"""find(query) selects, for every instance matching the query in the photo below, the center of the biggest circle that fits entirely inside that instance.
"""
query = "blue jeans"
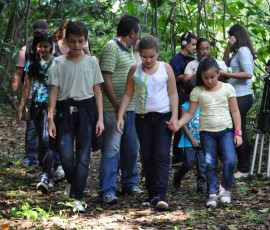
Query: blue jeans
(188, 163)
(75, 164)
(45, 155)
(31, 145)
(115, 145)
(155, 141)
(244, 150)
(223, 143)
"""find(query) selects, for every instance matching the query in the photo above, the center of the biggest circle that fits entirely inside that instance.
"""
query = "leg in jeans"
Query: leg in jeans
(76, 167)
(110, 155)
(209, 144)
(45, 154)
(227, 150)
(187, 164)
(243, 151)
(31, 145)
(144, 130)
(155, 140)
(129, 150)
(201, 169)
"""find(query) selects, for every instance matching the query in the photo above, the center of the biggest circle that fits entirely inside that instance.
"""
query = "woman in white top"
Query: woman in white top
(242, 64)
(153, 84)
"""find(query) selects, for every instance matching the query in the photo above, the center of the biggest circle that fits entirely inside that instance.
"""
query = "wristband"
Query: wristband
(238, 133)
(13, 97)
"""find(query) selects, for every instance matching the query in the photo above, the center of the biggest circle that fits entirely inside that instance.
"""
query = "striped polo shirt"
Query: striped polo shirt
(116, 60)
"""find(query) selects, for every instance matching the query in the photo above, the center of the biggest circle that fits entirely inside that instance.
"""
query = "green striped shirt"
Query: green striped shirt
(116, 60)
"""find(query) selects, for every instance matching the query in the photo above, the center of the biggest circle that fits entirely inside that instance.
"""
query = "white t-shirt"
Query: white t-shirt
(192, 66)
(215, 114)
(75, 80)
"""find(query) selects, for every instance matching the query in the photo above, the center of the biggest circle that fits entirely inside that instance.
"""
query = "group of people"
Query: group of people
(126, 106)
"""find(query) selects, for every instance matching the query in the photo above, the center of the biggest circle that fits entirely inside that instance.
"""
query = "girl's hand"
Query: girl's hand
(232, 41)
(120, 126)
(238, 141)
(51, 128)
(99, 127)
(173, 126)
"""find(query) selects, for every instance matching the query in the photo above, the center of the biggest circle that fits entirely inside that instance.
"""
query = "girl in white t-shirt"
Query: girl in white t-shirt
(219, 114)
(153, 84)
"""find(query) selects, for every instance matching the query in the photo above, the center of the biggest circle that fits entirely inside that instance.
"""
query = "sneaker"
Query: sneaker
(77, 207)
(51, 183)
(43, 186)
(239, 175)
(67, 190)
(110, 199)
(59, 174)
(211, 201)
(225, 196)
(150, 201)
(134, 192)
(162, 203)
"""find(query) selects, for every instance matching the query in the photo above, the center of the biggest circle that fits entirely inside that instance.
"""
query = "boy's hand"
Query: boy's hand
(51, 128)
(99, 128)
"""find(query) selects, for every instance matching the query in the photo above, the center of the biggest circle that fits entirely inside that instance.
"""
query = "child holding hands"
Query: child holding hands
(219, 114)
(153, 84)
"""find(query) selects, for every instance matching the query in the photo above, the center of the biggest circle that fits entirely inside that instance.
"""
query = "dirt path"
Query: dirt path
(23, 207)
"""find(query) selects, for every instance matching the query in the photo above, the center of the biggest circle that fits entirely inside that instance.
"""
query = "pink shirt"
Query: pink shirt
(21, 57)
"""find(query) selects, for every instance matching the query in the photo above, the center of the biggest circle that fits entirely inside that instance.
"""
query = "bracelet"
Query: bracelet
(13, 97)
(238, 133)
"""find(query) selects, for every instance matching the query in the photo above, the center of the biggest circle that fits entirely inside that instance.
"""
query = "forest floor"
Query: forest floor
(23, 207)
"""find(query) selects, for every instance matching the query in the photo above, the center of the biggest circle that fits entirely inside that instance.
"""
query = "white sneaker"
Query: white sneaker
(77, 207)
(225, 197)
(59, 174)
(67, 190)
(211, 201)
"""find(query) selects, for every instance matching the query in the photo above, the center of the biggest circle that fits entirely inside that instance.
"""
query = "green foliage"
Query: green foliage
(30, 213)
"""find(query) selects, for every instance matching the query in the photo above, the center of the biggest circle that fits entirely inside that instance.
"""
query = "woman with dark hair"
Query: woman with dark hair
(242, 64)
(37, 72)
(60, 45)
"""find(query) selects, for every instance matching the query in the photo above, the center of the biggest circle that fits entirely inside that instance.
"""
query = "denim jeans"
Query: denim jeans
(155, 141)
(188, 163)
(243, 151)
(115, 145)
(31, 145)
(45, 155)
(75, 164)
(223, 143)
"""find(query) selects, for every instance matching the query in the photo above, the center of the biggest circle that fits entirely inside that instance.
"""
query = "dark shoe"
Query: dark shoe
(134, 192)
(162, 203)
(43, 186)
(150, 201)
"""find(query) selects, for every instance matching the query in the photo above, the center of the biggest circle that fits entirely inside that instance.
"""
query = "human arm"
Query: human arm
(126, 98)
(51, 109)
(109, 91)
(185, 118)
(98, 98)
(15, 86)
(240, 75)
(194, 142)
(226, 56)
(25, 94)
(173, 95)
(236, 119)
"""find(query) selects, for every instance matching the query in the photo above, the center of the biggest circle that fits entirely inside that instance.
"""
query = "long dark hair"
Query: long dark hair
(242, 38)
(36, 71)
(205, 64)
